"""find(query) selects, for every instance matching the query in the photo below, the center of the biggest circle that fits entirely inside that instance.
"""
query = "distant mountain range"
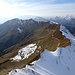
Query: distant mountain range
(68, 21)
(40, 19)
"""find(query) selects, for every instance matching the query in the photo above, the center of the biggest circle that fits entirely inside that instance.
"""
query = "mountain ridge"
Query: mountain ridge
(46, 35)
(13, 31)
(58, 62)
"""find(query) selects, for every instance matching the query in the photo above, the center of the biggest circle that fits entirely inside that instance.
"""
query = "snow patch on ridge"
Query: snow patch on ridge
(25, 52)
(19, 30)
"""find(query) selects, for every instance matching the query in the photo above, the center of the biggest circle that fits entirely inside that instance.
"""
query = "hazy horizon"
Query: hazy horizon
(10, 9)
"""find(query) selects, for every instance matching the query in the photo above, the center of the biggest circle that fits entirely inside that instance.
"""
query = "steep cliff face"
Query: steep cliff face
(51, 37)
(45, 36)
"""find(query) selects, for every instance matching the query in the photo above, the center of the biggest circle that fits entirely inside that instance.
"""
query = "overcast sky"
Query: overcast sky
(19, 8)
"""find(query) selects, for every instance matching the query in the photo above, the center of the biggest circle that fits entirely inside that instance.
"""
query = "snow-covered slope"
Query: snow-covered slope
(25, 52)
(60, 62)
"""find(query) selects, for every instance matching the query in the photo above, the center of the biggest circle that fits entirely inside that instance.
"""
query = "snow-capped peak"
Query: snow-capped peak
(69, 17)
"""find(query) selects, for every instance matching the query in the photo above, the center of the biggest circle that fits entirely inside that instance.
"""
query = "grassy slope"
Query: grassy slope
(47, 36)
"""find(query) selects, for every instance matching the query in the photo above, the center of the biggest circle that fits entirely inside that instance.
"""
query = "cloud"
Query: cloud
(13, 1)
(25, 8)
(28, 1)
(16, 9)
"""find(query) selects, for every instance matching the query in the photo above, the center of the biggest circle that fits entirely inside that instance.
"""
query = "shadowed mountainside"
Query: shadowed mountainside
(14, 31)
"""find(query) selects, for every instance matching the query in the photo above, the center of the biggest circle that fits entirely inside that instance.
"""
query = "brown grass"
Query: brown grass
(47, 36)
